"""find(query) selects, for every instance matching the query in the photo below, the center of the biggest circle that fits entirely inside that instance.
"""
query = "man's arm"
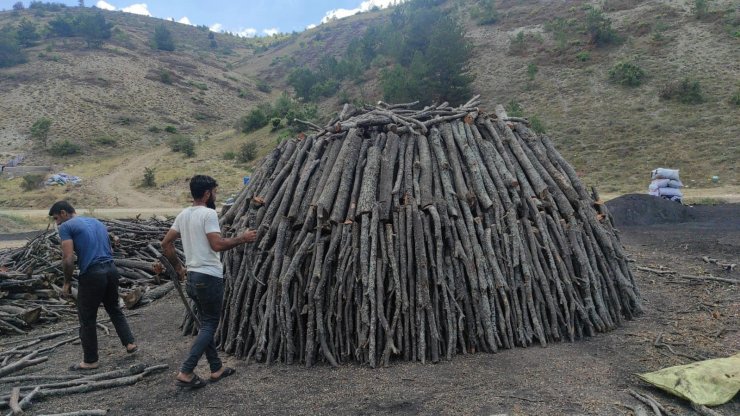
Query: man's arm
(68, 265)
(219, 243)
(168, 246)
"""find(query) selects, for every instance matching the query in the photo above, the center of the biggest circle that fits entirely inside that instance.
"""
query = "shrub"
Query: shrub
(626, 73)
(687, 91)
(276, 123)
(514, 109)
(583, 56)
(229, 155)
(599, 28)
(64, 148)
(155, 129)
(735, 98)
(106, 141)
(31, 182)
(26, 33)
(40, 130)
(170, 129)
(532, 71)
(182, 144)
(18, 5)
(256, 119)
(537, 125)
(700, 8)
(10, 51)
(165, 76)
(163, 38)
(149, 181)
(486, 12)
(518, 43)
(263, 86)
(248, 152)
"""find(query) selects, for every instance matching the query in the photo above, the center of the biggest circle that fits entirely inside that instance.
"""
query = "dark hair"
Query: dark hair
(199, 184)
(59, 206)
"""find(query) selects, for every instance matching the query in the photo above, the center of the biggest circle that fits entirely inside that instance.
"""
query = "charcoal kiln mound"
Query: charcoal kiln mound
(402, 234)
(643, 209)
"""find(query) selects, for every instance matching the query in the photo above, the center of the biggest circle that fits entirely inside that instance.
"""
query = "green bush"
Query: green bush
(687, 91)
(170, 129)
(514, 109)
(31, 182)
(229, 155)
(537, 125)
(155, 129)
(163, 38)
(626, 73)
(275, 122)
(182, 144)
(40, 130)
(106, 141)
(599, 28)
(518, 43)
(256, 119)
(700, 8)
(64, 148)
(583, 56)
(486, 13)
(10, 50)
(165, 76)
(26, 33)
(532, 71)
(735, 98)
(263, 86)
(149, 181)
(248, 152)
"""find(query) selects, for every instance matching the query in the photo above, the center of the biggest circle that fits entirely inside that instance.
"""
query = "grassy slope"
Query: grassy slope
(613, 135)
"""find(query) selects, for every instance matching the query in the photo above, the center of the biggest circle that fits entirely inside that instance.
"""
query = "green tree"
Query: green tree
(149, 181)
(94, 29)
(599, 28)
(26, 33)
(248, 152)
(163, 38)
(10, 51)
(256, 119)
(40, 130)
(18, 5)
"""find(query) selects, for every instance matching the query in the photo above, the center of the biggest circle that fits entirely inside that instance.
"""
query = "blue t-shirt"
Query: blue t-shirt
(90, 239)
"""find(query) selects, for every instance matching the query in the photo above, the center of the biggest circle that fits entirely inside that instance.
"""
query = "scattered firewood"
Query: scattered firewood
(94, 412)
(652, 403)
(727, 266)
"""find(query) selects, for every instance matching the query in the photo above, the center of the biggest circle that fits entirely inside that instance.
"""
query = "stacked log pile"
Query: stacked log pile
(418, 235)
(30, 276)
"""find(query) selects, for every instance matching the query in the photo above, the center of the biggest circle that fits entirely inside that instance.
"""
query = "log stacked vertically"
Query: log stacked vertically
(418, 234)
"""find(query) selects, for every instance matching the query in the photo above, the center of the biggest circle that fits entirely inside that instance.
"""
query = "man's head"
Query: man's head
(61, 211)
(203, 189)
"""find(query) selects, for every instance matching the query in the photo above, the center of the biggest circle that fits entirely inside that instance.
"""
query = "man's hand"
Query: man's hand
(182, 273)
(249, 236)
(67, 290)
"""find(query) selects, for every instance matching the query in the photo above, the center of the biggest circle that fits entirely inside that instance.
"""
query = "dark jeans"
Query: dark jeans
(99, 284)
(207, 292)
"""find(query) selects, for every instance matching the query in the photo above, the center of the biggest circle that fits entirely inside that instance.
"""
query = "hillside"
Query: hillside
(116, 100)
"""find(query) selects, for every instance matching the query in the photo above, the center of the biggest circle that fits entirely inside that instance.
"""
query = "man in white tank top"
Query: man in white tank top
(198, 228)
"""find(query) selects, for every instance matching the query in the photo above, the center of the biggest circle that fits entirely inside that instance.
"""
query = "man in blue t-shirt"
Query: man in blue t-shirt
(97, 282)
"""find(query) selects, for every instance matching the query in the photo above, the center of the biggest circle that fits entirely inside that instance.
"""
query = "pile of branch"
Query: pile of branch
(418, 235)
(30, 276)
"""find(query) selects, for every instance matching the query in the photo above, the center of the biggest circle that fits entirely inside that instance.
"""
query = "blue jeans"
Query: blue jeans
(207, 292)
(99, 284)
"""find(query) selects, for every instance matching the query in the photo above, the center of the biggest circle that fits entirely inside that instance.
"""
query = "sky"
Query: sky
(244, 18)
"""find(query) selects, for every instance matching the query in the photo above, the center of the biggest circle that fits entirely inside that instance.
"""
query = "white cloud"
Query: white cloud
(311, 26)
(246, 33)
(216, 27)
(364, 7)
(271, 31)
(185, 20)
(105, 6)
(138, 8)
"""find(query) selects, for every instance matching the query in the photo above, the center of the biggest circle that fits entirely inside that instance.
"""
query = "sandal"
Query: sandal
(227, 372)
(195, 383)
(132, 350)
(78, 367)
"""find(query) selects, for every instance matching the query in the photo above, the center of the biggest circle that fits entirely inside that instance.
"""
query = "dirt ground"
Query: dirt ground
(591, 377)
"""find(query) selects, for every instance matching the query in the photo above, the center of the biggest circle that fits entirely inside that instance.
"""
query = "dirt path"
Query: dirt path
(587, 377)
(116, 185)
